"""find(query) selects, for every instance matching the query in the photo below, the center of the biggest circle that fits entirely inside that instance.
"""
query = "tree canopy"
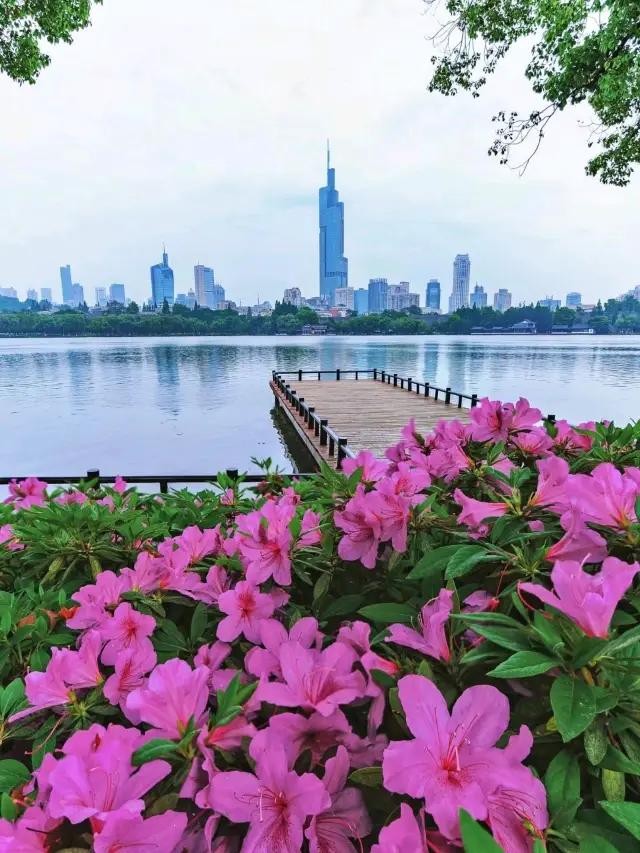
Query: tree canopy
(584, 51)
(28, 26)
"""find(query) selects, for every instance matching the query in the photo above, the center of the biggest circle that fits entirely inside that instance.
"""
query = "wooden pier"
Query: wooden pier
(338, 413)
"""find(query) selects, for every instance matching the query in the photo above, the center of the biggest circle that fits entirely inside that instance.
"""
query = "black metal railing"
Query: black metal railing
(162, 480)
(337, 445)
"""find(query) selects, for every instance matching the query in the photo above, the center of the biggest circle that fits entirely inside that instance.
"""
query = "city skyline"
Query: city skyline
(333, 266)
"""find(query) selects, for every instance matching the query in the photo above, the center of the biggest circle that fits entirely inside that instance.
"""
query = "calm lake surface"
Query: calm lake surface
(198, 405)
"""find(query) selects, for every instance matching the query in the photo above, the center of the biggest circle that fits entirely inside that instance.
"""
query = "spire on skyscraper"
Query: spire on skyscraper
(328, 157)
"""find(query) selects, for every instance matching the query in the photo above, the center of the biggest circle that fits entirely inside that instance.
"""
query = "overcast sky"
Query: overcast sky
(203, 124)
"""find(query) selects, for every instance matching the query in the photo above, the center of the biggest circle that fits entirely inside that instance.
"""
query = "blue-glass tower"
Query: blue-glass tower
(162, 286)
(334, 267)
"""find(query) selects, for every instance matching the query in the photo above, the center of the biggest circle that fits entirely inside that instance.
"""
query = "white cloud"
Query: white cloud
(203, 124)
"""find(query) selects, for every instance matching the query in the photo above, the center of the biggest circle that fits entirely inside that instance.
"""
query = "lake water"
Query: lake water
(197, 405)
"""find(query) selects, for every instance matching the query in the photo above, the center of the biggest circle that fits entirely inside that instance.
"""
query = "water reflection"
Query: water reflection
(190, 404)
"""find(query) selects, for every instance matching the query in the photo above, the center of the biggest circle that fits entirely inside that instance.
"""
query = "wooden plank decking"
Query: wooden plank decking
(369, 414)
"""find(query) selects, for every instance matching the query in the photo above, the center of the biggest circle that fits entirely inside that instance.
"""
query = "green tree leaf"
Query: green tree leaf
(574, 706)
(157, 748)
(465, 560)
(369, 777)
(433, 562)
(389, 614)
(12, 774)
(524, 665)
(342, 606)
(596, 844)
(596, 742)
(475, 838)
(626, 814)
(562, 781)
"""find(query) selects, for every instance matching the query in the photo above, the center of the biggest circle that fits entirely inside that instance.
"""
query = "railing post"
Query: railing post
(426, 389)
(342, 443)
(395, 380)
(551, 419)
(232, 473)
(318, 376)
(459, 401)
(317, 424)
(447, 395)
(356, 374)
(332, 446)
(301, 406)
(287, 393)
(299, 376)
(474, 401)
(402, 383)
(323, 431)
(338, 375)
(164, 487)
(375, 373)
(94, 474)
(383, 375)
(310, 411)
(409, 380)
(436, 391)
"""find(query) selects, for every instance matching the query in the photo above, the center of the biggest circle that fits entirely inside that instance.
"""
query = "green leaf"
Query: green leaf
(629, 638)
(198, 623)
(508, 638)
(465, 559)
(388, 614)
(616, 760)
(562, 781)
(433, 562)
(12, 698)
(382, 678)
(613, 785)
(343, 606)
(524, 665)
(8, 808)
(596, 844)
(596, 742)
(475, 838)
(157, 748)
(574, 706)
(321, 586)
(626, 814)
(369, 777)
(12, 774)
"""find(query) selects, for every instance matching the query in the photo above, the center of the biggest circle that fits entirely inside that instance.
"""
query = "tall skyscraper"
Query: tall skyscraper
(461, 276)
(574, 299)
(334, 267)
(378, 295)
(478, 297)
(204, 283)
(432, 299)
(46, 294)
(67, 284)
(10, 292)
(218, 296)
(550, 303)
(101, 297)
(162, 284)
(32, 294)
(116, 293)
(293, 296)
(361, 300)
(501, 300)
(344, 297)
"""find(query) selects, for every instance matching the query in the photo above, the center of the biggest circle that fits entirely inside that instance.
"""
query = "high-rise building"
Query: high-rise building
(574, 299)
(9, 292)
(361, 300)
(162, 283)
(478, 297)
(204, 283)
(411, 300)
(181, 299)
(432, 300)
(334, 267)
(67, 284)
(344, 298)
(461, 276)
(77, 295)
(101, 297)
(32, 294)
(116, 293)
(191, 299)
(218, 297)
(46, 294)
(501, 300)
(550, 303)
(395, 297)
(378, 295)
(293, 296)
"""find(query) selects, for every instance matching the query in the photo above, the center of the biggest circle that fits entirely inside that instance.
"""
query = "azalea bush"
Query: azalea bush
(432, 651)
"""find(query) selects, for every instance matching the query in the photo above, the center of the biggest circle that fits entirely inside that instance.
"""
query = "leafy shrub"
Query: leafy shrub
(365, 660)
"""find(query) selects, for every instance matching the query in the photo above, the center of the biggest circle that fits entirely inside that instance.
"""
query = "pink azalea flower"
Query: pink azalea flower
(128, 630)
(73, 497)
(30, 834)
(228, 737)
(310, 530)
(275, 802)
(318, 681)
(265, 548)
(394, 513)
(6, 536)
(411, 436)
(553, 482)
(107, 501)
(47, 689)
(212, 657)
(569, 441)
(27, 493)
(173, 566)
(120, 486)
(129, 833)
(130, 670)
(588, 600)
(364, 751)
(199, 544)
(145, 576)
(397, 453)
(491, 420)
(524, 417)
(579, 544)
(407, 481)
(81, 667)
(372, 469)
(173, 695)
(536, 442)
(246, 608)
(407, 835)
(449, 763)
(315, 733)
(607, 497)
(95, 598)
(96, 777)
(266, 662)
(432, 640)
(361, 524)
(216, 583)
(446, 462)
(474, 512)
(345, 818)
